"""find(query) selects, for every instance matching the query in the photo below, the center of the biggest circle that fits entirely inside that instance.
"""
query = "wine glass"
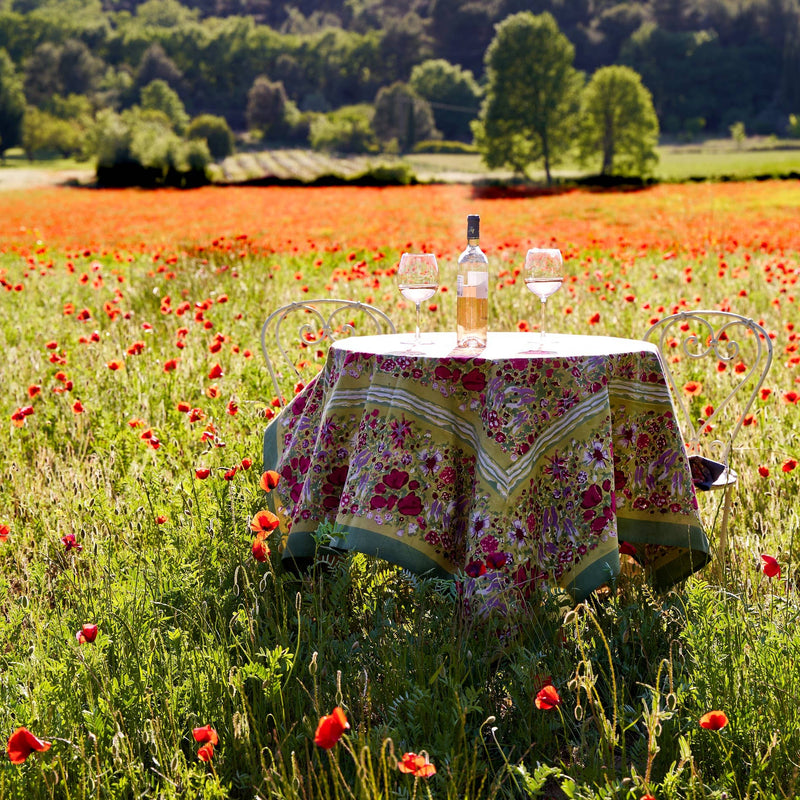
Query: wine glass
(544, 272)
(418, 280)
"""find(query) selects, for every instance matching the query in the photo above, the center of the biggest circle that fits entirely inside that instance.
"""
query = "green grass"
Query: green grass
(193, 631)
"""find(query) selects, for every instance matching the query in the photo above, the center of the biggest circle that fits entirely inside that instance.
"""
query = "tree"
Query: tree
(453, 94)
(403, 116)
(266, 107)
(158, 96)
(532, 97)
(618, 123)
(157, 65)
(216, 132)
(346, 130)
(12, 103)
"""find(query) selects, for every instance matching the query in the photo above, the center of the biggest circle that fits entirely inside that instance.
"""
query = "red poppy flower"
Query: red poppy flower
(213, 391)
(647, 797)
(763, 471)
(77, 407)
(269, 480)
(713, 720)
(136, 423)
(627, 549)
(232, 408)
(264, 522)
(770, 566)
(184, 408)
(594, 319)
(22, 743)
(247, 463)
(230, 473)
(205, 734)
(114, 365)
(417, 765)
(547, 698)
(205, 752)
(765, 393)
(216, 372)
(70, 543)
(4, 531)
(260, 550)
(202, 473)
(789, 465)
(52, 345)
(170, 365)
(33, 390)
(330, 729)
(87, 634)
(160, 519)
(693, 388)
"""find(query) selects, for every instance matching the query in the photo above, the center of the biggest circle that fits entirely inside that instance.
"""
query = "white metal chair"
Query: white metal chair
(714, 403)
(308, 327)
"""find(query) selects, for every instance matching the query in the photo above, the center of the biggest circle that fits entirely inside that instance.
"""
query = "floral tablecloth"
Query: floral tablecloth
(510, 468)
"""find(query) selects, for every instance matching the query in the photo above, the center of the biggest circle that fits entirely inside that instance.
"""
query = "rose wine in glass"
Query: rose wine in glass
(418, 280)
(544, 273)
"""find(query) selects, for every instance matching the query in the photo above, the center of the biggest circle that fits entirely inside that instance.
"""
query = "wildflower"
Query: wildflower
(33, 390)
(765, 393)
(330, 729)
(77, 407)
(789, 465)
(260, 550)
(693, 388)
(136, 422)
(205, 734)
(232, 408)
(594, 319)
(87, 634)
(269, 480)
(230, 473)
(183, 407)
(627, 549)
(247, 463)
(202, 473)
(205, 752)
(763, 471)
(160, 519)
(4, 531)
(417, 765)
(207, 737)
(264, 522)
(713, 720)
(22, 743)
(70, 543)
(547, 698)
(216, 372)
(770, 566)
(170, 365)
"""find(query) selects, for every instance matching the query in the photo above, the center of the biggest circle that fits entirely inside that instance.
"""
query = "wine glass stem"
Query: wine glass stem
(416, 338)
(541, 326)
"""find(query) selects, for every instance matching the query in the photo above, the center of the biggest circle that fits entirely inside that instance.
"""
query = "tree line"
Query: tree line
(343, 74)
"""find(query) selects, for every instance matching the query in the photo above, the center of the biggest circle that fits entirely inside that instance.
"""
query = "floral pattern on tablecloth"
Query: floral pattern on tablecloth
(512, 472)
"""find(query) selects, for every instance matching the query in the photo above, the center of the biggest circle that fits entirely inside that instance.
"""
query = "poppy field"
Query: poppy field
(151, 643)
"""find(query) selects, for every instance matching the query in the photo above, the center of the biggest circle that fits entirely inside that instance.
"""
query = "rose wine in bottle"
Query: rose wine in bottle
(472, 302)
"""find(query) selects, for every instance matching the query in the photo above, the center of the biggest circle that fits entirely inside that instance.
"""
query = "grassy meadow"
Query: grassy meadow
(133, 405)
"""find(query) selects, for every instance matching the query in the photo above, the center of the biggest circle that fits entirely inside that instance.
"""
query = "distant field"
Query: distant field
(710, 160)
(718, 159)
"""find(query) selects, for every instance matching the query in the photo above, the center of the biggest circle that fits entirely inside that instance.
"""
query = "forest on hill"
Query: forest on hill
(707, 63)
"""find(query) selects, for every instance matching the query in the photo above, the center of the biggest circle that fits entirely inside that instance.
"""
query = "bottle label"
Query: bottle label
(478, 284)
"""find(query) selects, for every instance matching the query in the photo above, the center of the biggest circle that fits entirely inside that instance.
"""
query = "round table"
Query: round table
(514, 467)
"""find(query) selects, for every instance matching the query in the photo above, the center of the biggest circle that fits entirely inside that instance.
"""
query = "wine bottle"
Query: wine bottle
(472, 287)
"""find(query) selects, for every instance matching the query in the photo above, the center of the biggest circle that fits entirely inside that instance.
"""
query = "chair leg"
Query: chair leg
(722, 539)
